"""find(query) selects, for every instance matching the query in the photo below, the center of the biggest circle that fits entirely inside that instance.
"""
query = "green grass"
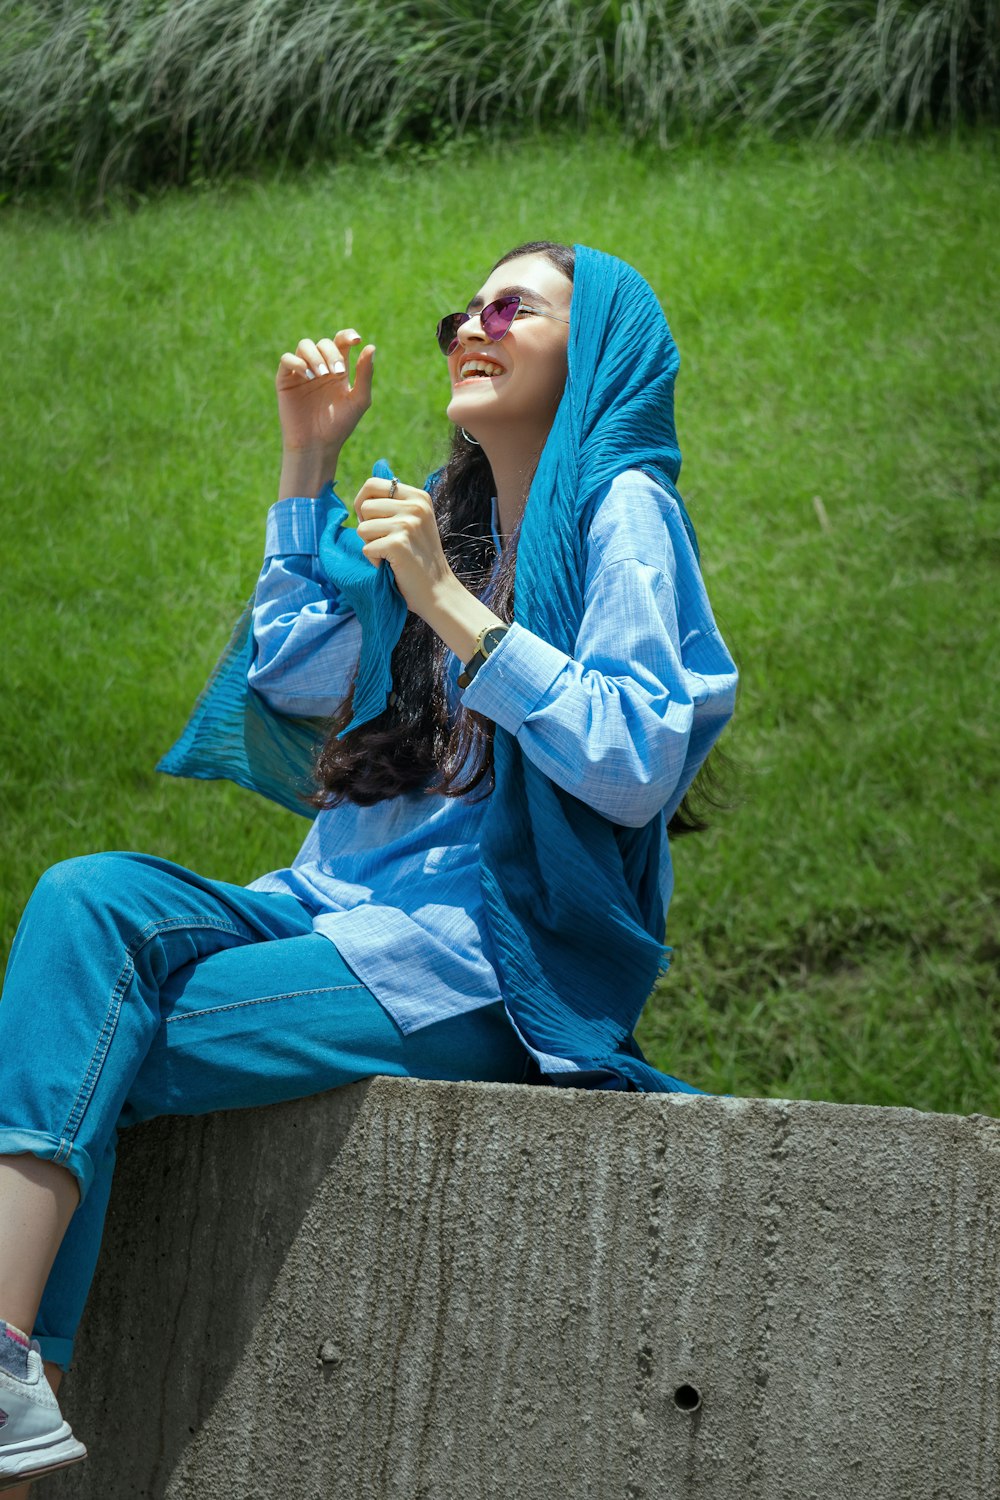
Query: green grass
(836, 936)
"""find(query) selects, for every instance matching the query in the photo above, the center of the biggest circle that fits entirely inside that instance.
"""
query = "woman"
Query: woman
(483, 887)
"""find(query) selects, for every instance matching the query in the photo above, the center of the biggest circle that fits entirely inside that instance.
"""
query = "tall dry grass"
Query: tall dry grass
(131, 93)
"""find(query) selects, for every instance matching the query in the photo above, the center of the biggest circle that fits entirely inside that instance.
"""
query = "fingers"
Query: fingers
(364, 371)
(373, 499)
(317, 361)
(290, 367)
(299, 367)
(378, 512)
(326, 357)
(333, 352)
(342, 343)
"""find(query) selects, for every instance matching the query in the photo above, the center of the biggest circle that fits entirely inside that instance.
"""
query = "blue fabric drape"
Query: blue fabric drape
(574, 909)
(572, 900)
(232, 734)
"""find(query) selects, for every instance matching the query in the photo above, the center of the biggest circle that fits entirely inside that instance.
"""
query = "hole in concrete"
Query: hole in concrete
(687, 1398)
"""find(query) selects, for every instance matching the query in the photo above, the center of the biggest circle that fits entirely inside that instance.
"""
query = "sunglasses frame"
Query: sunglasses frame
(449, 345)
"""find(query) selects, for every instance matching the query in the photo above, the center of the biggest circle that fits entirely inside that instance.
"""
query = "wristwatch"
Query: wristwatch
(486, 641)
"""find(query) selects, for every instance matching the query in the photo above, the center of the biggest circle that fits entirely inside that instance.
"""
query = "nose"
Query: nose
(471, 331)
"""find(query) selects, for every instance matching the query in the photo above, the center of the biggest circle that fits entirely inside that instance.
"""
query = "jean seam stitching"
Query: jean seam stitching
(67, 1135)
(204, 924)
(326, 989)
(85, 1092)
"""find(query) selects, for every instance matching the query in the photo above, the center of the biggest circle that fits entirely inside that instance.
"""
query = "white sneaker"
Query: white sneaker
(34, 1439)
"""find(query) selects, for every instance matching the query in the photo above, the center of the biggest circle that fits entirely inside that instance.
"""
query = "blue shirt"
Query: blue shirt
(624, 724)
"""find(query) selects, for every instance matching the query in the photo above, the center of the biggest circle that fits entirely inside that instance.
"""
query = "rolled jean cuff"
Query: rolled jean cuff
(56, 1351)
(15, 1142)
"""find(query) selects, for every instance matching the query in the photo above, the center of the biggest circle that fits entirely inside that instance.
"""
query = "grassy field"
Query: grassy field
(836, 936)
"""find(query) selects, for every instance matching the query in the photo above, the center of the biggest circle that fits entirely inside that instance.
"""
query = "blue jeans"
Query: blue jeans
(137, 988)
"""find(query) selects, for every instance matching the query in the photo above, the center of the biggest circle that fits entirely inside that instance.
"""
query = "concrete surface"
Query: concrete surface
(455, 1291)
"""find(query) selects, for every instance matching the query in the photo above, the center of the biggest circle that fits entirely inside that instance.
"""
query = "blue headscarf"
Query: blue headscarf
(572, 900)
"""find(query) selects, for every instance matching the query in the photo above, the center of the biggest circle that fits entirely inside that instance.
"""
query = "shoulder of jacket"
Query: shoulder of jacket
(635, 519)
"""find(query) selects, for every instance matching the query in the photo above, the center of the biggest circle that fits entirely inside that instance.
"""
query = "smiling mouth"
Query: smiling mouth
(486, 370)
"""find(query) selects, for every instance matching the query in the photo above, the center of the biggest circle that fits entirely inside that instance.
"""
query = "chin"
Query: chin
(464, 413)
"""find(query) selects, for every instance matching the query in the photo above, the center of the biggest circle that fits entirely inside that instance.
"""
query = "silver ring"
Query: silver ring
(393, 487)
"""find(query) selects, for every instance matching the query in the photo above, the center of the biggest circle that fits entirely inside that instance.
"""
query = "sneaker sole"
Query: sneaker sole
(35, 1464)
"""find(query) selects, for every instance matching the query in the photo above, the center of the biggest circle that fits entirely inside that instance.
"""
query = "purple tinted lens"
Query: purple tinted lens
(495, 318)
(498, 316)
(447, 329)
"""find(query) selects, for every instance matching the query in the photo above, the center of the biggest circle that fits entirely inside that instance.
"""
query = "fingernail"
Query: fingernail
(310, 375)
(323, 370)
(338, 368)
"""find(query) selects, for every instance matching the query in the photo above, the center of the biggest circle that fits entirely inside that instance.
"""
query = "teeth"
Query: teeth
(480, 367)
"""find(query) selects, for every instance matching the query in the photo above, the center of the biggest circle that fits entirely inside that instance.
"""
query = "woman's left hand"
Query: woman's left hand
(403, 530)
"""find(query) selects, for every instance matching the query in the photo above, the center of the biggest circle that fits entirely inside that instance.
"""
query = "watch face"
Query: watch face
(493, 637)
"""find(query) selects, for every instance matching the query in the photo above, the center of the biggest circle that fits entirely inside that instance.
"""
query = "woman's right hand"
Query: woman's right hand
(317, 406)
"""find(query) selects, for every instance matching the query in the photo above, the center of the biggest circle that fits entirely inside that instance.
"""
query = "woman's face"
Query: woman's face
(527, 366)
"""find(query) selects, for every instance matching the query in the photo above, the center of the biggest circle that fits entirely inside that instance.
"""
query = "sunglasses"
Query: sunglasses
(496, 318)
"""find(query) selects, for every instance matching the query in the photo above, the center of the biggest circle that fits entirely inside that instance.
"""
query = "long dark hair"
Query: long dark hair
(412, 745)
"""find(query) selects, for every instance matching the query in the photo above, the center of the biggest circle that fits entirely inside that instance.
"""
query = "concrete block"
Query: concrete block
(404, 1289)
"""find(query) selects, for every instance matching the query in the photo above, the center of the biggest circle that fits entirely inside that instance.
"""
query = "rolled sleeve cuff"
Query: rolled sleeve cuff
(296, 524)
(514, 678)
